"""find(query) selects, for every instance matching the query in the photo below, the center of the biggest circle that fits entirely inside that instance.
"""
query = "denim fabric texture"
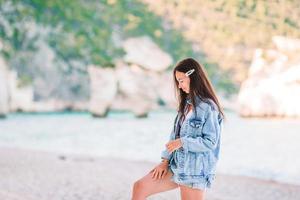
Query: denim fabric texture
(194, 164)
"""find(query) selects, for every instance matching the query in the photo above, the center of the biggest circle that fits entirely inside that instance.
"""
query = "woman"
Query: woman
(189, 160)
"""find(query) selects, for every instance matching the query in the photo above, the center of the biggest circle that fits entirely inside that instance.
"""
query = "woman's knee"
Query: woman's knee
(139, 189)
(138, 185)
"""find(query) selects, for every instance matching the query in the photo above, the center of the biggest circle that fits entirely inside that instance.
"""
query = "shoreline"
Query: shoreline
(29, 174)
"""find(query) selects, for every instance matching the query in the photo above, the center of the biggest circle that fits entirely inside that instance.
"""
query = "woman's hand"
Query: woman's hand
(160, 171)
(173, 145)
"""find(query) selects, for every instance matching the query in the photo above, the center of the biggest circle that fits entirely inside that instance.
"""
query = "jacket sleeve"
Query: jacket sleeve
(165, 154)
(209, 137)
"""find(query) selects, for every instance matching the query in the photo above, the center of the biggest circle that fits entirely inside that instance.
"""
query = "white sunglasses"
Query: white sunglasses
(189, 72)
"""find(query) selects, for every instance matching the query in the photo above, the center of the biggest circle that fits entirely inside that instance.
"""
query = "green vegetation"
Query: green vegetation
(228, 31)
(88, 30)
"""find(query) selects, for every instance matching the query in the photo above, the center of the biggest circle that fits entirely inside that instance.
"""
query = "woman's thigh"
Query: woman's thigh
(147, 186)
(188, 193)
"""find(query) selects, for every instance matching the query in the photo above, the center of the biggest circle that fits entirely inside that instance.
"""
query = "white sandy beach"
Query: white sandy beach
(36, 175)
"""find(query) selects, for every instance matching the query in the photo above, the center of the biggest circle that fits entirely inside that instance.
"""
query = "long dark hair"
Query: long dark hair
(199, 85)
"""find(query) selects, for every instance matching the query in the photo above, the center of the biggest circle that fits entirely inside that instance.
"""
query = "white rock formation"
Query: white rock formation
(4, 92)
(286, 44)
(129, 87)
(136, 86)
(21, 98)
(144, 52)
(273, 85)
(135, 89)
(103, 90)
(166, 90)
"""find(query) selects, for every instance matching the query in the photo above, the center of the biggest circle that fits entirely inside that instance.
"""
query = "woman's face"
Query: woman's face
(183, 81)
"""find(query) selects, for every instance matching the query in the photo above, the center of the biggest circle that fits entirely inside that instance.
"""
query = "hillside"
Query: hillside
(228, 31)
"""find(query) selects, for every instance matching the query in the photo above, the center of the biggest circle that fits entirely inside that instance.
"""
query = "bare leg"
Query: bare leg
(147, 186)
(188, 193)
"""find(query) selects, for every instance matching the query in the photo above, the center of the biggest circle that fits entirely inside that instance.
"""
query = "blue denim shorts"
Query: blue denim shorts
(201, 183)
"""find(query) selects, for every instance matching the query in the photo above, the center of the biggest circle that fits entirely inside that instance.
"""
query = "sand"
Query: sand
(37, 175)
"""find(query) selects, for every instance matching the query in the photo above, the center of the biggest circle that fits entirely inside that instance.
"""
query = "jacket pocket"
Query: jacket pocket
(194, 164)
(195, 127)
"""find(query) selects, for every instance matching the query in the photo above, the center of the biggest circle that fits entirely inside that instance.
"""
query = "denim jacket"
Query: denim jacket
(200, 137)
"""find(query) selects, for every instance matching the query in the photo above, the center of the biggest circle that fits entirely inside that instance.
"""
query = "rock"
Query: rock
(4, 93)
(21, 98)
(103, 89)
(129, 87)
(135, 90)
(144, 52)
(53, 77)
(273, 85)
(286, 44)
(166, 89)
(79, 105)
